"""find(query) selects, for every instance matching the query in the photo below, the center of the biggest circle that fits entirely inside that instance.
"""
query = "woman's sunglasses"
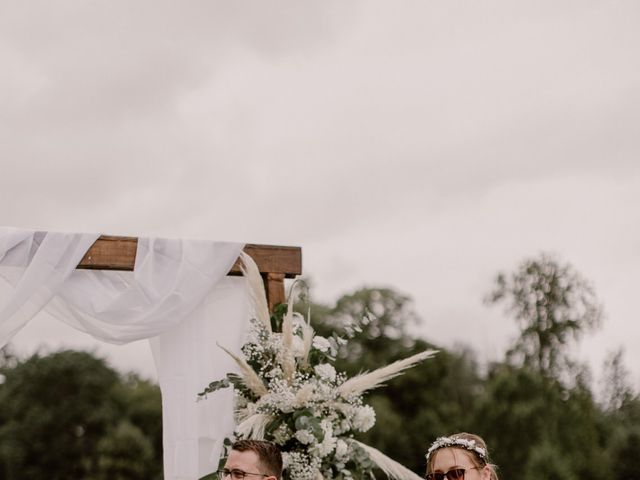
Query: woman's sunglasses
(455, 474)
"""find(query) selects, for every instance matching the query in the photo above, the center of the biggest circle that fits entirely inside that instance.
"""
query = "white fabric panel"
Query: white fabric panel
(177, 293)
(170, 279)
(35, 267)
(187, 359)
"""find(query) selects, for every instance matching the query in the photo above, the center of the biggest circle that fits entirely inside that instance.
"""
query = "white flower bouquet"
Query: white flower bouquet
(289, 392)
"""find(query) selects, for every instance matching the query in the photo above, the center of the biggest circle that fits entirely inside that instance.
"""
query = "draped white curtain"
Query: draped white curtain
(178, 296)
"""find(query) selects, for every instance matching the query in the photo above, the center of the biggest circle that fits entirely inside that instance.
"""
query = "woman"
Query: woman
(462, 456)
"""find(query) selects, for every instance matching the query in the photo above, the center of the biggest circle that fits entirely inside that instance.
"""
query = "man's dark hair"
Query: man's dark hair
(268, 453)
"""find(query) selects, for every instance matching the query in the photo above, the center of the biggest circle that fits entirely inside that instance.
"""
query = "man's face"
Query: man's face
(247, 461)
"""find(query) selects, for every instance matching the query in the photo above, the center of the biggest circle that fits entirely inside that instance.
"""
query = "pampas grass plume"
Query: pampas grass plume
(251, 379)
(254, 426)
(367, 381)
(256, 289)
(392, 468)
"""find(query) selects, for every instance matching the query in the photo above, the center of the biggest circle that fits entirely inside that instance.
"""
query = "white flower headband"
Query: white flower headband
(444, 442)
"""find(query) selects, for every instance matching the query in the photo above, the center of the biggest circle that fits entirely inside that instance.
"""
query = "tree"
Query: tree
(529, 418)
(621, 418)
(433, 398)
(8, 358)
(552, 303)
(124, 453)
(69, 415)
(55, 409)
(545, 461)
(616, 391)
(376, 319)
(624, 449)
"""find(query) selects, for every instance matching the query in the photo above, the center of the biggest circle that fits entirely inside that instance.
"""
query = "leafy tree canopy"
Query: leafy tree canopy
(62, 416)
(552, 304)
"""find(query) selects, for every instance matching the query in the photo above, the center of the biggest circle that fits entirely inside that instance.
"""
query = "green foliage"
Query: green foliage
(424, 402)
(552, 303)
(616, 389)
(545, 461)
(124, 453)
(376, 322)
(58, 412)
(57, 400)
(68, 415)
(535, 424)
(523, 412)
(624, 448)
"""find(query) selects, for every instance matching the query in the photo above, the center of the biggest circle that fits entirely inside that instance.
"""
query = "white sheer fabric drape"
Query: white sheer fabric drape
(178, 296)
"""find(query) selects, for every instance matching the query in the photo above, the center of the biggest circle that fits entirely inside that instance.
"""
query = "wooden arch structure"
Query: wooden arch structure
(275, 262)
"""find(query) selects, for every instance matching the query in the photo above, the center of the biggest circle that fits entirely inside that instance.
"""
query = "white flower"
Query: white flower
(300, 393)
(325, 371)
(328, 443)
(282, 434)
(304, 395)
(325, 447)
(321, 343)
(342, 449)
(274, 373)
(305, 437)
(324, 392)
(278, 398)
(364, 418)
(343, 427)
(300, 466)
(297, 346)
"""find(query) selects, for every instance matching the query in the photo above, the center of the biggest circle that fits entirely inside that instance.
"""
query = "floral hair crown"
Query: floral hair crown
(444, 442)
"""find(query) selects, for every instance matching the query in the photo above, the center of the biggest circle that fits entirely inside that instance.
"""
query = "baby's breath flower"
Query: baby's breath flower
(311, 421)
(282, 434)
(364, 418)
(325, 371)
(305, 437)
(321, 343)
(342, 449)
(304, 395)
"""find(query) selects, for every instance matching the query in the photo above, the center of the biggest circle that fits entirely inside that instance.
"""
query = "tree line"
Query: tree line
(69, 415)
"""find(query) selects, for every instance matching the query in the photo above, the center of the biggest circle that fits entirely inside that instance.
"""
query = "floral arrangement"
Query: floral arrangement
(467, 444)
(289, 392)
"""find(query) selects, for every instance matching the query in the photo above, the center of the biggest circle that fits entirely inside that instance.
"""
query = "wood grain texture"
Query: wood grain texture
(274, 262)
(119, 253)
(274, 286)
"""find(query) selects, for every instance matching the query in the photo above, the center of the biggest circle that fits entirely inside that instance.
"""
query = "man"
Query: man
(252, 460)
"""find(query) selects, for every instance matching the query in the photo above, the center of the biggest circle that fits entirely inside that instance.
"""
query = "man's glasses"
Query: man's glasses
(236, 474)
(455, 474)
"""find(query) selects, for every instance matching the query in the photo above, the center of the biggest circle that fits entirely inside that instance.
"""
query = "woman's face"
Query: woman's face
(448, 460)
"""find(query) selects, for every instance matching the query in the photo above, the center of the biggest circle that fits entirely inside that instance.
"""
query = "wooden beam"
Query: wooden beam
(111, 253)
(273, 259)
(274, 262)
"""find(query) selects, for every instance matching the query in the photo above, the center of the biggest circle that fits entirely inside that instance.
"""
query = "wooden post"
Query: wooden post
(274, 262)
(274, 286)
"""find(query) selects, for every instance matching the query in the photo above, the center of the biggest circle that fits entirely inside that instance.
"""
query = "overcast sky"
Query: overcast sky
(418, 145)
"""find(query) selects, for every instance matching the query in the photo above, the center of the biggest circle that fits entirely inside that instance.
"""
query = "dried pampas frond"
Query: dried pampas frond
(304, 395)
(287, 327)
(392, 468)
(367, 381)
(288, 366)
(287, 361)
(307, 341)
(251, 379)
(254, 426)
(241, 414)
(256, 289)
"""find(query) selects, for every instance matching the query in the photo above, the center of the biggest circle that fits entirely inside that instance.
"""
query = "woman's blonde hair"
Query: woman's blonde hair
(474, 447)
